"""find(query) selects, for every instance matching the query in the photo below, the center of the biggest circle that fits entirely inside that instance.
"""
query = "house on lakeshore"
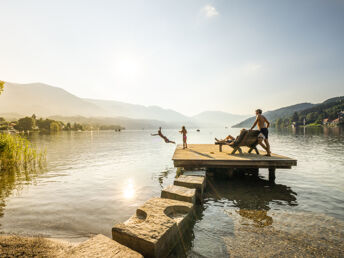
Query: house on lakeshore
(335, 122)
(341, 117)
(326, 121)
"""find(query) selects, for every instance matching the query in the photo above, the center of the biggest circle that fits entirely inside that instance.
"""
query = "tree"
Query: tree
(34, 120)
(287, 122)
(68, 127)
(24, 124)
(279, 123)
(310, 117)
(295, 117)
(55, 127)
(2, 83)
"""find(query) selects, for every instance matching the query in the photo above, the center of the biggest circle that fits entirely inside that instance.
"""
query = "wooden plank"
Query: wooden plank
(208, 155)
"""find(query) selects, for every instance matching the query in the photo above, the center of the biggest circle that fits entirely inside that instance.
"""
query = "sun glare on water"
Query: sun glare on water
(129, 190)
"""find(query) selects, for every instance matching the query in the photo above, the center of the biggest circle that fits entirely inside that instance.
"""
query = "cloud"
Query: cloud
(209, 11)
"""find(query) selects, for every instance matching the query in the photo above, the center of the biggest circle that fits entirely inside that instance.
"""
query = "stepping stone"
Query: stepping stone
(179, 193)
(100, 246)
(197, 182)
(194, 173)
(156, 228)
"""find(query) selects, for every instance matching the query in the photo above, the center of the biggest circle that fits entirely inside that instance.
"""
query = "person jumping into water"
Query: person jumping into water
(263, 125)
(184, 132)
(162, 136)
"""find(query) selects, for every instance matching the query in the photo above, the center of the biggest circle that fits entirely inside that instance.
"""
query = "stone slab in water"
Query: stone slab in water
(197, 182)
(155, 228)
(101, 246)
(194, 173)
(179, 193)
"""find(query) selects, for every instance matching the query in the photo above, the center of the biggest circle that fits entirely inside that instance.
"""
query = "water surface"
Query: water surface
(96, 179)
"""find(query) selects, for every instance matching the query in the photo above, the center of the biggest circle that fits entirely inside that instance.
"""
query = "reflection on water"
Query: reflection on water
(250, 197)
(253, 196)
(12, 183)
(94, 180)
(164, 175)
(129, 189)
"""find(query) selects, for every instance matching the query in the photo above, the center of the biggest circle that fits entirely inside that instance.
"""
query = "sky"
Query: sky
(190, 56)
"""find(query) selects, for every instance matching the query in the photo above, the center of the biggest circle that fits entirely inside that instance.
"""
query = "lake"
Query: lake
(96, 179)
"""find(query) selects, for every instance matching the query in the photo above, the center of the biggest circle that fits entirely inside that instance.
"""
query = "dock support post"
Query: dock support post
(272, 175)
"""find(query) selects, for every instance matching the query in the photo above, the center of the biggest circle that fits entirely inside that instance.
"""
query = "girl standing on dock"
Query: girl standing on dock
(184, 132)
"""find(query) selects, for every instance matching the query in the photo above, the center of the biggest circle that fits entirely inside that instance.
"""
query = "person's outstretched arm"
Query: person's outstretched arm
(254, 124)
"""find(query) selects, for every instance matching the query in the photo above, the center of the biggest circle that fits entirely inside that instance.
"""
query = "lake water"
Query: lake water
(96, 179)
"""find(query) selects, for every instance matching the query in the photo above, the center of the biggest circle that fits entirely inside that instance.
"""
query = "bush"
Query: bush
(16, 153)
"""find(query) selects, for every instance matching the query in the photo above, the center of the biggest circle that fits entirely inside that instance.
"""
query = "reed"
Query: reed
(16, 153)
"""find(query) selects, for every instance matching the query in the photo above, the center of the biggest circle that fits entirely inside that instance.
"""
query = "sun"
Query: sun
(127, 68)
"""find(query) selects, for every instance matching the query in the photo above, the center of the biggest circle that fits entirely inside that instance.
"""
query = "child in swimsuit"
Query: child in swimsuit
(184, 132)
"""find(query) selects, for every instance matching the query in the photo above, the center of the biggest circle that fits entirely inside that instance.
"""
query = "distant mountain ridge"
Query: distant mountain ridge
(217, 118)
(48, 101)
(122, 109)
(288, 111)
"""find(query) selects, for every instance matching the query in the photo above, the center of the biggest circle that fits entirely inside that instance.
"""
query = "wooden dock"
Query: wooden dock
(209, 156)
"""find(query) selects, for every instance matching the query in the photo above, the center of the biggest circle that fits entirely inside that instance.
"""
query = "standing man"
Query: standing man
(263, 125)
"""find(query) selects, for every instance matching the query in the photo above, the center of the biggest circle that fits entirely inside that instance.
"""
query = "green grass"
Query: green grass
(16, 154)
(313, 125)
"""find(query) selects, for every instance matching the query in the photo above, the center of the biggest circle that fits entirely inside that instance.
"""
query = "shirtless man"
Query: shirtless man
(263, 125)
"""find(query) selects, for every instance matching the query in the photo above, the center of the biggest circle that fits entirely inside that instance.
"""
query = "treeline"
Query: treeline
(328, 110)
(30, 124)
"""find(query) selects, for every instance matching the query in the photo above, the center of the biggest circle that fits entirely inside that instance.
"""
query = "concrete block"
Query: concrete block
(156, 228)
(179, 193)
(194, 173)
(197, 182)
(100, 246)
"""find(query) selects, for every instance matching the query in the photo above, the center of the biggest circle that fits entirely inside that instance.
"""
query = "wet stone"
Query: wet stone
(197, 182)
(156, 227)
(194, 173)
(179, 193)
(100, 246)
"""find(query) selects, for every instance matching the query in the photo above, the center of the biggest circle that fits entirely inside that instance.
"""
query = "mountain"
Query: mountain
(44, 100)
(217, 118)
(334, 100)
(275, 114)
(329, 109)
(20, 100)
(116, 108)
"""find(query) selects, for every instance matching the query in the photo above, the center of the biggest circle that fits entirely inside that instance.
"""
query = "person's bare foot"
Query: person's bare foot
(268, 155)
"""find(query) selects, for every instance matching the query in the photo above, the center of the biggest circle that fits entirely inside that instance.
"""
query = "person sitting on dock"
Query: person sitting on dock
(263, 125)
(162, 136)
(228, 139)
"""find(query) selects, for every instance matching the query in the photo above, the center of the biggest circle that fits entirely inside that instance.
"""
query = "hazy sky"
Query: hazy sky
(186, 55)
